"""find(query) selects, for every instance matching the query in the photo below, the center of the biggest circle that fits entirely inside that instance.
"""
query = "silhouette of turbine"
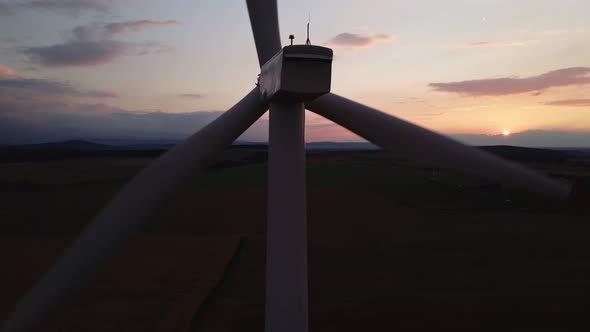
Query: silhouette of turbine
(282, 89)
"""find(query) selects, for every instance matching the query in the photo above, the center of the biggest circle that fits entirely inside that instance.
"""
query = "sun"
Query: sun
(506, 132)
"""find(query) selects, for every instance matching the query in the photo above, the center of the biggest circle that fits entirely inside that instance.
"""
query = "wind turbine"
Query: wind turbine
(286, 307)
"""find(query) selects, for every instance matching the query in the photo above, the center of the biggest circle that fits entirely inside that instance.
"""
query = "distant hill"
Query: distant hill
(529, 138)
(139, 148)
(139, 143)
(69, 150)
(527, 154)
(65, 145)
(351, 146)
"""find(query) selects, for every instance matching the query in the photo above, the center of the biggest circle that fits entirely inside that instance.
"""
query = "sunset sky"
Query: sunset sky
(162, 69)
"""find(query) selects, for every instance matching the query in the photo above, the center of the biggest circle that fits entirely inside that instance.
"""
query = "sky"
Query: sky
(139, 69)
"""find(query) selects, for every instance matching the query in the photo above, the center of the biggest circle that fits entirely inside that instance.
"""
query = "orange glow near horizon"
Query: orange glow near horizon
(452, 114)
(506, 132)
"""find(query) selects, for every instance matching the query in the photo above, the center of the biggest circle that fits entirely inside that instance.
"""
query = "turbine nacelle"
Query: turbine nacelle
(296, 73)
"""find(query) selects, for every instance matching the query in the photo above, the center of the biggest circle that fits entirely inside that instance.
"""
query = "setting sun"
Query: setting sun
(506, 132)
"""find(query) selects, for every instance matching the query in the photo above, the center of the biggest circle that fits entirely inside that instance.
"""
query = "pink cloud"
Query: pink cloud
(14, 86)
(515, 85)
(191, 95)
(6, 72)
(353, 40)
(114, 28)
(501, 43)
(570, 102)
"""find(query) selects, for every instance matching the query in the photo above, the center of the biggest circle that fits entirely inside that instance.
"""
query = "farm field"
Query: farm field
(393, 245)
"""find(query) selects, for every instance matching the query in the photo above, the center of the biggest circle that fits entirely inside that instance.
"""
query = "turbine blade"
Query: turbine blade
(128, 212)
(265, 27)
(416, 143)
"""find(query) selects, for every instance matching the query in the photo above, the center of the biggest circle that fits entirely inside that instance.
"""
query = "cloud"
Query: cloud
(514, 85)
(353, 40)
(35, 122)
(5, 8)
(34, 110)
(107, 31)
(93, 45)
(500, 43)
(90, 32)
(114, 28)
(31, 87)
(569, 102)
(71, 7)
(14, 86)
(191, 95)
(79, 53)
(6, 72)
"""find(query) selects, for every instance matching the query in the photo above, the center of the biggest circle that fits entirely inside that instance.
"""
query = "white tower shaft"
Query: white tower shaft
(286, 250)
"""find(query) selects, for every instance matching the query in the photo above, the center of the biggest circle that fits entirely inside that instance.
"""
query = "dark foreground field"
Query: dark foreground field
(393, 246)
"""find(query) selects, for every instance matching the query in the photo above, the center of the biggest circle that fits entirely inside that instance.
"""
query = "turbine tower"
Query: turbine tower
(292, 79)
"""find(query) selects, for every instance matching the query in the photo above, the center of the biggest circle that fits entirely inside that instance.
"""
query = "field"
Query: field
(393, 245)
